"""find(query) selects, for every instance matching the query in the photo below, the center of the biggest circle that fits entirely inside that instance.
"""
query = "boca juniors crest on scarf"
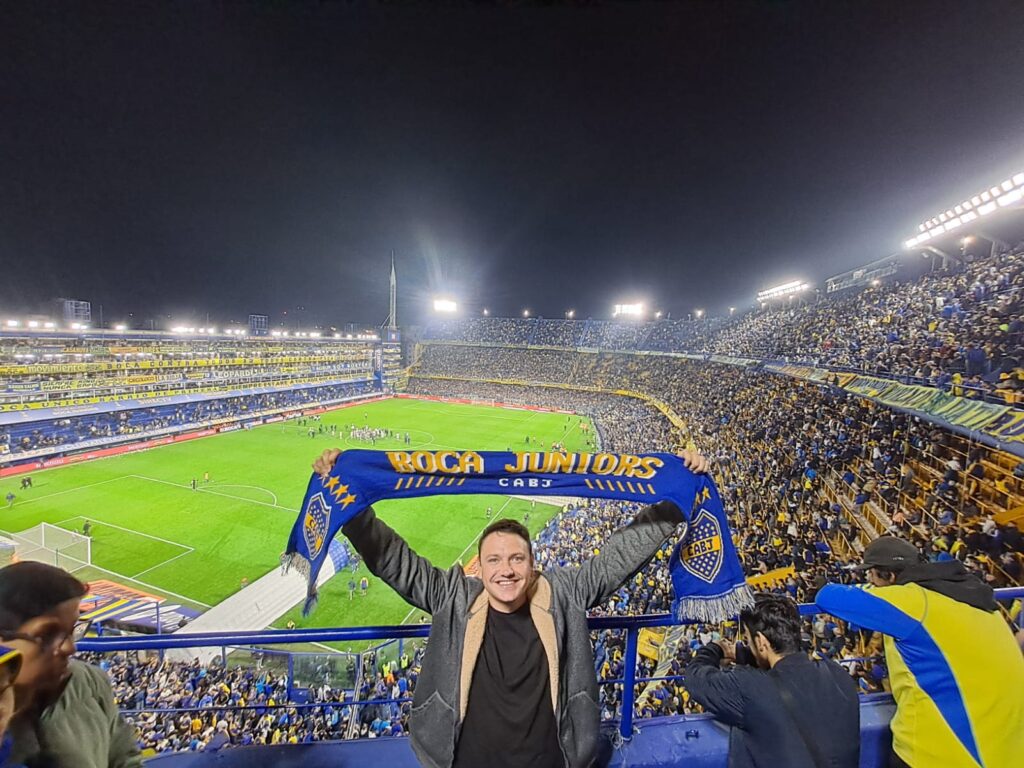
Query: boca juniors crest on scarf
(706, 574)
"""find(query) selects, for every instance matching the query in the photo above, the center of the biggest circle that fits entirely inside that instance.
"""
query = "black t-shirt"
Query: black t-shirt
(509, 720)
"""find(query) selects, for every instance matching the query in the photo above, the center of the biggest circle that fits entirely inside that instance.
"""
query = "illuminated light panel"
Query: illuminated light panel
(1010, 197)
(1006, 193)
(628, 310)
(796, 286)
(445, 305)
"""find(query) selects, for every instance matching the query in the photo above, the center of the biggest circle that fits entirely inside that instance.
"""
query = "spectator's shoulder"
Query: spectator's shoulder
(88, 680)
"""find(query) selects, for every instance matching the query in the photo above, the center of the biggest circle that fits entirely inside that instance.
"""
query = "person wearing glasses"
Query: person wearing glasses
(64, 710)
(10, 665)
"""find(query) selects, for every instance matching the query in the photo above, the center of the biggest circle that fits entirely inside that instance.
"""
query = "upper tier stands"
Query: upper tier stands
(61, 392)
(959, 330)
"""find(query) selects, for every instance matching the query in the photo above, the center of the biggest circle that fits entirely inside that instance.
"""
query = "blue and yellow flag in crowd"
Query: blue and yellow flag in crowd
(706, 574)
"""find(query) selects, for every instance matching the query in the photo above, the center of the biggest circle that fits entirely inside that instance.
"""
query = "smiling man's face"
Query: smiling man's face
(506, 568)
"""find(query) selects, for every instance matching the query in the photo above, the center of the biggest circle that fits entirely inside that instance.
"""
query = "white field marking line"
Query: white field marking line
(165, 562)
(215, 493)
(254, 487)
(457, 559)
(570, 430)
(69, 490)
(126, 530)
(150, 586)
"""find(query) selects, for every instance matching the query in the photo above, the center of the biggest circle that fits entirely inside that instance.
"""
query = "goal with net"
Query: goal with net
(47, 543)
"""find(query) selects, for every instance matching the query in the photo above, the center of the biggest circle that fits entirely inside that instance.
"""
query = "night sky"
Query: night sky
(189, 157)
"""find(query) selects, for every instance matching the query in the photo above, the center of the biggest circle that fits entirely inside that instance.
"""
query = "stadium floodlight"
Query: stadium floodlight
(275, 334)
(628, 310)
(988, 201)
(13, 323)
(786, 289)
(657, 315)
(49, 324)
(337, 335)
(526, 313)
(33, 323)
(570, 314)
(120, 327)
(1010, 197)
(487, 312)
(732, 310)
(445, 305)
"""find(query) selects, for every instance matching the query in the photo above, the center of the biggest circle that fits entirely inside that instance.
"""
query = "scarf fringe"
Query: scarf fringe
(715, 608)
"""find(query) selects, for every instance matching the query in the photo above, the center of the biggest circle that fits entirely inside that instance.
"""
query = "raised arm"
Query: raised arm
(630, 548)
(624, 553)
(721, 693)
(867, 608)
(389, 557)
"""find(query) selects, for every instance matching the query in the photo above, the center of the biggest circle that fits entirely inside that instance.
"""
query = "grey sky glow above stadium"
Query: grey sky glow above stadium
(184, 158)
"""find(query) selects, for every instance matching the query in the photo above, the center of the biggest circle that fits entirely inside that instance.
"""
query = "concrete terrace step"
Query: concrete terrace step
(255, 607)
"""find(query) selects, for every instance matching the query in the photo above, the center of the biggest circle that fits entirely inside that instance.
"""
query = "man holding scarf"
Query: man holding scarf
(508, 677)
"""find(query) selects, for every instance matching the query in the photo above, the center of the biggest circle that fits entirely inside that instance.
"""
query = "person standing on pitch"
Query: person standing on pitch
(509, 662)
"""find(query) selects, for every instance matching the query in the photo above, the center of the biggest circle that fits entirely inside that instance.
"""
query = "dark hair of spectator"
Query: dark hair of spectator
(506, 525)
(777, 618)
(886, 573)
(29, 589)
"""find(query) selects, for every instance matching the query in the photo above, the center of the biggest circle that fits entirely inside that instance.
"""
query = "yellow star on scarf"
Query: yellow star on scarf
(331, 483)
(347, 500)
(340, 491)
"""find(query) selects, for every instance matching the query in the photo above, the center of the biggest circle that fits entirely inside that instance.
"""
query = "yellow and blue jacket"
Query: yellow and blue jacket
(956, 671)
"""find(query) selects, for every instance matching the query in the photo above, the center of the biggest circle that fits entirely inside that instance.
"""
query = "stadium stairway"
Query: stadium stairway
(254, 607)
(684, 741)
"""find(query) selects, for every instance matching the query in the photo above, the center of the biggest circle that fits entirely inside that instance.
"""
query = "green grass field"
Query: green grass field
(151, 531)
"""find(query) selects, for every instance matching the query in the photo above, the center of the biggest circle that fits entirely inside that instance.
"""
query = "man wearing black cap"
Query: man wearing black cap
(955, 669)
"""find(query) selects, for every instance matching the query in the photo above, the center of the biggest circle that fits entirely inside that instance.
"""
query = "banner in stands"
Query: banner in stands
(972, 414)
(1008, 427)
(108, 601)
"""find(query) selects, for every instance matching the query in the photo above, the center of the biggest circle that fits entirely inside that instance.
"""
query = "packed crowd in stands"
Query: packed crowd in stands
(805, 471)
(958, 329)
(39, 366)
(824, 453)
(964, 323)
(808, 473)
(66, 434)
(189, 706)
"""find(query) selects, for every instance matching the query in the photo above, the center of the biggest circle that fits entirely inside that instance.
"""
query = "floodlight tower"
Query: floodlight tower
(392, 321)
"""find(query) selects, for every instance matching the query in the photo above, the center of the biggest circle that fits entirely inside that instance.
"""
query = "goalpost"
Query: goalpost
(47, 543)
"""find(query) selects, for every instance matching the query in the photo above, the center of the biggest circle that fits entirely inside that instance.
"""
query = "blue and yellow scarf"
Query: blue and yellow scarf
(706, 574)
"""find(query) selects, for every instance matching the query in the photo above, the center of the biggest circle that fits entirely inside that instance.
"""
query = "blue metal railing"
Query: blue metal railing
(631, 624)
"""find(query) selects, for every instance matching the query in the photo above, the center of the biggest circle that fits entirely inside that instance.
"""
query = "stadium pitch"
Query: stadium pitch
(150, 530)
